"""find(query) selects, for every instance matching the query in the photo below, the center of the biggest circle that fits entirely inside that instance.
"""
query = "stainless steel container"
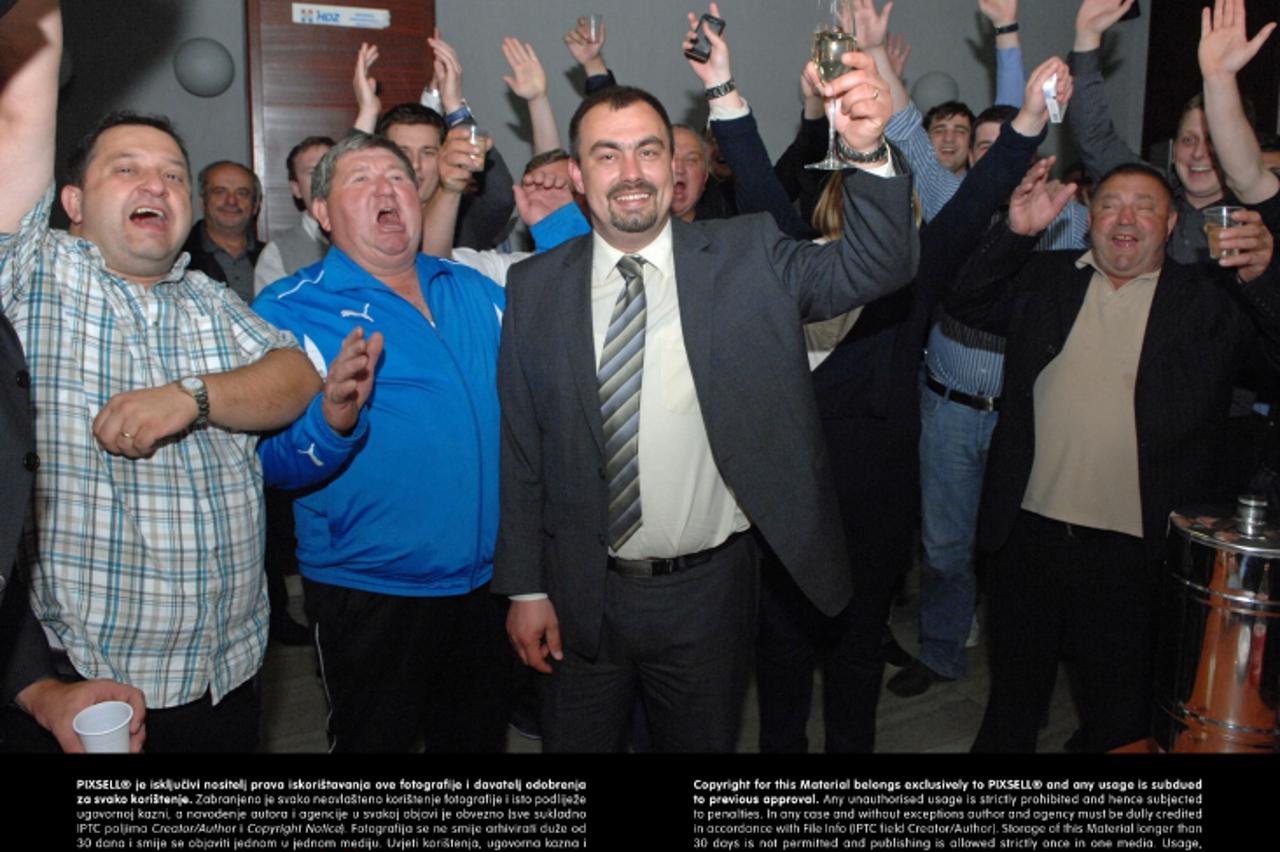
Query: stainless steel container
(1218, 669)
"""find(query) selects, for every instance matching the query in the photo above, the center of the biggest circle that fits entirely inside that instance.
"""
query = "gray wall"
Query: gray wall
(769, 43)
(122, 57)
(122, 54)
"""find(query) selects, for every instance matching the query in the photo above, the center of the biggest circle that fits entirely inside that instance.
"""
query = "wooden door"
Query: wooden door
(300, 81)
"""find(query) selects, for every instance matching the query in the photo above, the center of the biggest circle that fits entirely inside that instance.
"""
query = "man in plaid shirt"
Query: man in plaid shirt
(148, 382)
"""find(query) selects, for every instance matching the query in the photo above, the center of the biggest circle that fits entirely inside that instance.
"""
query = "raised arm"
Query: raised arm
(1010, 78)
(457, 159)
(1089, 119)
(756, 187)
(483, 214)
(365, 88)
(30, 50)
(1224, 50)
(589, 54)
(528, 79)
(987, 286)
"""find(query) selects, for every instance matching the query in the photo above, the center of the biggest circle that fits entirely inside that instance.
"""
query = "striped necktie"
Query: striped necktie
(620, 374)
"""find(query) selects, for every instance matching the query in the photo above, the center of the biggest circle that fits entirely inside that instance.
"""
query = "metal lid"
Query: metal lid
(1245, 531)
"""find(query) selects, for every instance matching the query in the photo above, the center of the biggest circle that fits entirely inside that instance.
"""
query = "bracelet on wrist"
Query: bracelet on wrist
(721, 90)
(1007, 28)
(877, 154)
(459, 115)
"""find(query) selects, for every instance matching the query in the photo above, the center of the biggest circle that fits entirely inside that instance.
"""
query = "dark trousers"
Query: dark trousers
(198, 727)
(282, 550)
(874, 463)
(681, 643)
(398, 670)
(1086, 596)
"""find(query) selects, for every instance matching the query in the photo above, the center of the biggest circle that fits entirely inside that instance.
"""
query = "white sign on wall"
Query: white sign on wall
(341, 16)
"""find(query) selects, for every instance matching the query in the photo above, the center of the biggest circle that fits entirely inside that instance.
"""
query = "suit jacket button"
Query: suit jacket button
(600, 470)
(602, 539)
(31, 461)
(24, 379)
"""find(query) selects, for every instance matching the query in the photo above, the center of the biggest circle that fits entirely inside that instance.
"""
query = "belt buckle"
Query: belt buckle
(663, 567)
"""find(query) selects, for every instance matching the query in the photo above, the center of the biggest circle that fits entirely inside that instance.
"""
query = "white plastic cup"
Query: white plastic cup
(104, 728)
(594, 23)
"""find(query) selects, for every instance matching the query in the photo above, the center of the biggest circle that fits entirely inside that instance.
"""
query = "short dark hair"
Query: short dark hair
(82, 153)
(203, 180)
(1136, 167)
(410, 113)
(322, 177)
(555, 155)
(999, 114)
(309, 142)
(616, 97)
(947, 109)
(1196, 102)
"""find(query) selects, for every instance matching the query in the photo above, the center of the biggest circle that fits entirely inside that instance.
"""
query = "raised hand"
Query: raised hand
(1095, 18)
(1034, 203)
(898, 51)
(716, 69)
(459, 159)
(1000, 13)
(869, 26)
(585, 51)
(350, 380)
(528, 79)
(1225, 47)
(448, 73)
(1034, 114)
(365, 87)
(864, 105)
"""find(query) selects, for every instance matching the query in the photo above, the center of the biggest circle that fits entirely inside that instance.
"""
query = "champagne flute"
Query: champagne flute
(829, 47)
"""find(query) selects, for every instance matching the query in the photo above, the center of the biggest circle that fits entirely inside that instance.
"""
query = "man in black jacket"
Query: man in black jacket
(1118, 378)
(223, 244)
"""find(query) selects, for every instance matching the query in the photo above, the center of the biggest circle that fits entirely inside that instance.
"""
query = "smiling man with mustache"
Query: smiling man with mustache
(223, 244)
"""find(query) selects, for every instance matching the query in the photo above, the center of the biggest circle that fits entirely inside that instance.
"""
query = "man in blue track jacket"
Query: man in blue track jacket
(397, 499)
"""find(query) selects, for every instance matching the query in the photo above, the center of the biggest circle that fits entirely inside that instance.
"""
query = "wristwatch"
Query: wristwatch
(194, 387)
(721, 90)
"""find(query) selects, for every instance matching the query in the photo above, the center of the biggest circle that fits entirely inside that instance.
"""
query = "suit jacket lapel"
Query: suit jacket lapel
(695, 289)
(575, 303)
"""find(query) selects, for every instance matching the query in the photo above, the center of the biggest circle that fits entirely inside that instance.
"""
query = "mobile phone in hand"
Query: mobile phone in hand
(701, 50)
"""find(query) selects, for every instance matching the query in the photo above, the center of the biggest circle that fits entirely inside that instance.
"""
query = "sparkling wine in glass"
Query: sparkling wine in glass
(829, 48)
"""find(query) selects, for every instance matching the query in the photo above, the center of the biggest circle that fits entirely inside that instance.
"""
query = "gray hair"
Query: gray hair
(706, 147)
(322, 176)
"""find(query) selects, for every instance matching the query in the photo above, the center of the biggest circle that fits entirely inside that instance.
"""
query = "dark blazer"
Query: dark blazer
(1202, 328)
(24, 653)
(744, 290)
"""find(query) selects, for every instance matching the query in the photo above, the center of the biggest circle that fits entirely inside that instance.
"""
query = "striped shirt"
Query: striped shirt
(148, 571)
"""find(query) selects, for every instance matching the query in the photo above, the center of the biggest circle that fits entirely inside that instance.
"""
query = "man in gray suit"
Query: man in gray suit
(624, 515)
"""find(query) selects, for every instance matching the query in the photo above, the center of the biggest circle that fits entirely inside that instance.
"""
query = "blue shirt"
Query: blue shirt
(408, 503)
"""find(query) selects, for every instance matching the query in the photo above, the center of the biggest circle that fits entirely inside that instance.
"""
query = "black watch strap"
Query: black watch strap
(721, 90)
